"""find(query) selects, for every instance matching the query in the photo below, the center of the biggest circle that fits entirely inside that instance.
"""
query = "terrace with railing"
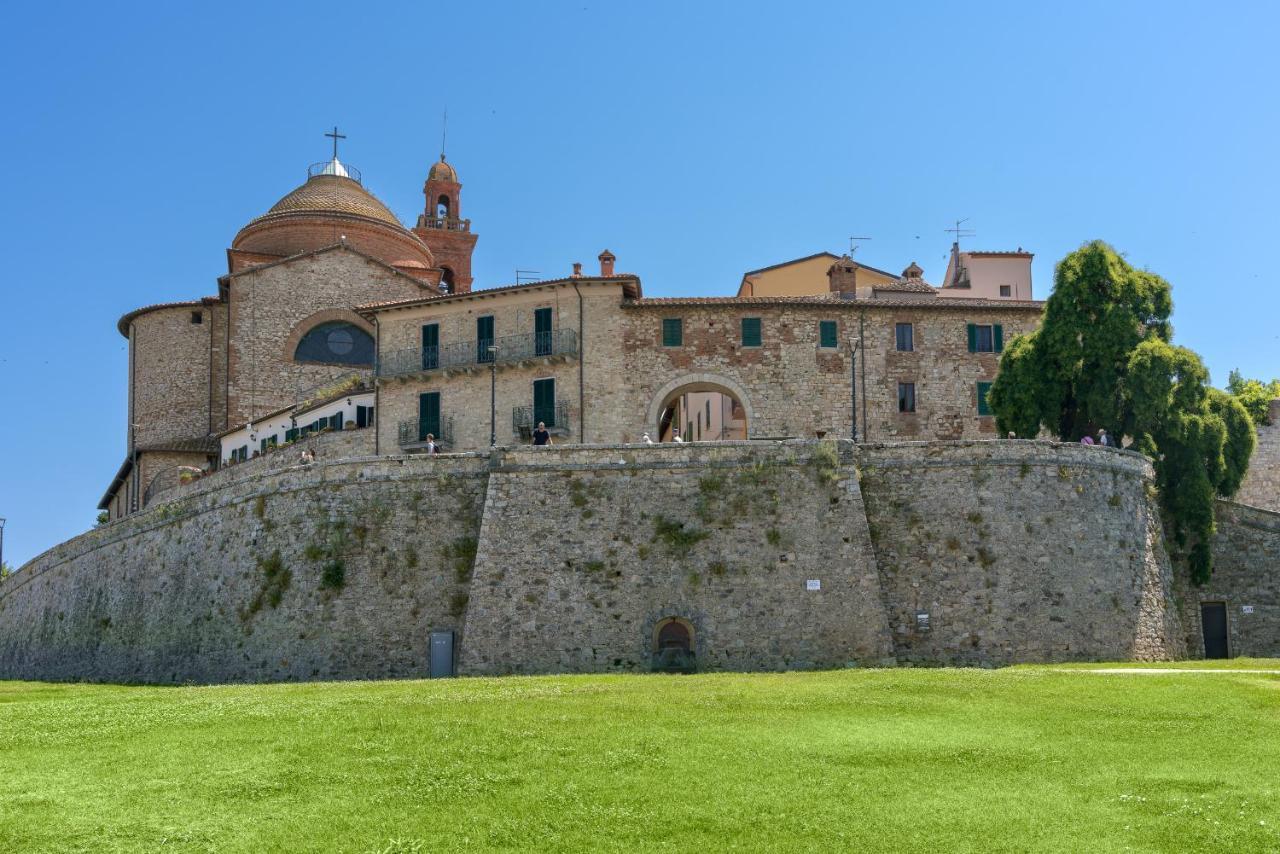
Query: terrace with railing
(525, 418)
(413, 433)
(470, 355)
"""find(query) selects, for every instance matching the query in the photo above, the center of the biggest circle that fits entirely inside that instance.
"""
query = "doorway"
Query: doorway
(1213, 621)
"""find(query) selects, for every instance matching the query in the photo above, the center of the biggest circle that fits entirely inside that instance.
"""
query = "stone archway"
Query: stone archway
(694, 384)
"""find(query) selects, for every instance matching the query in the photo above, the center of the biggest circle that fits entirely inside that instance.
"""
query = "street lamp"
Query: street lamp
(854, 344)
(493, 395)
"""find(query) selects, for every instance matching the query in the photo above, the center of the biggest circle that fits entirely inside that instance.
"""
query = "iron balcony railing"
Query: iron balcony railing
(465, 354)
(525, 418)
(412, 434)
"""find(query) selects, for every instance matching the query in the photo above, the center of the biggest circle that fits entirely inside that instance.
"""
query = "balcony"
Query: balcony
(443, 223)
(472, 355)
(525, 418)
(412, 437)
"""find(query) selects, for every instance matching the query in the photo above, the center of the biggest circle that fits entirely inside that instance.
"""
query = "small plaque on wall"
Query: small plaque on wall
(1246, 609)
(922, 621)
(813, 584)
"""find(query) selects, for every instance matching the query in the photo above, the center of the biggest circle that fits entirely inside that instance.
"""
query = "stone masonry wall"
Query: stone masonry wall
(227, 584)
(169, 385)
(566, 559)
(1019, 551)
(1261, 487)
(584, 551)
(1246, 577)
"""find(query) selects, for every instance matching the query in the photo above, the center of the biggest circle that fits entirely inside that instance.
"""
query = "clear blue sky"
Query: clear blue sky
(696, 141)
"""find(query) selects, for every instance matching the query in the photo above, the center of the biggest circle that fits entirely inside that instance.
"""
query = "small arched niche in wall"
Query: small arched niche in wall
(674, 649)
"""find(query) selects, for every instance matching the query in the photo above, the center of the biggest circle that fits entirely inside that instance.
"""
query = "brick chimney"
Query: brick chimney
(914, 273)
(577, 269)
(843, 277)
(606, 263)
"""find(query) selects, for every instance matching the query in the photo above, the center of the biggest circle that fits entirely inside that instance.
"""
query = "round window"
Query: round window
(340, 341)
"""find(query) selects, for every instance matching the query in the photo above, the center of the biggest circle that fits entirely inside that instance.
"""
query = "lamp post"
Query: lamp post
(853, 385)
(493, 395)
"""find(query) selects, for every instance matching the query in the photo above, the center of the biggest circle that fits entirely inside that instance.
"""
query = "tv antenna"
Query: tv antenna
(853, 244)
(523, 276)
(959, 231)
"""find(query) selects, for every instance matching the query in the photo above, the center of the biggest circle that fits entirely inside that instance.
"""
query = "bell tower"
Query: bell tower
(443, 229)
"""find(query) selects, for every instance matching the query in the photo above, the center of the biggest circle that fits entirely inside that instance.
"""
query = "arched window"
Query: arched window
(337, 343)
(446, 281)
(442, 207)
(673, 648)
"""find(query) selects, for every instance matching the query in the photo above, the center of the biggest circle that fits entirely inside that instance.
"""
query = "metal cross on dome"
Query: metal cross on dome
(336, 136)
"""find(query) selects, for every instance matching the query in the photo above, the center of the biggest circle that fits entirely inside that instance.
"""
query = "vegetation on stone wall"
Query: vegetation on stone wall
(5, 571)
(1103, 359)
(274, 580)
(1254, 395)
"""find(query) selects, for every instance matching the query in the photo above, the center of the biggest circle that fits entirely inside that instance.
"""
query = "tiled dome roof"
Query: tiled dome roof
(442, 172)
(333, 194)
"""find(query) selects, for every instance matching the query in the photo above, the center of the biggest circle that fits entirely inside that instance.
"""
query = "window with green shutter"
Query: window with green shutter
(984, 408)
(428, 415)
(672, 332)
(827, 333)
(750, 332)
(985, 338)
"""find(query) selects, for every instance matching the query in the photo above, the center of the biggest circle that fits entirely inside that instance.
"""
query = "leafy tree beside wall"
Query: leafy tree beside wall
(1255, 395)
(1103, 358)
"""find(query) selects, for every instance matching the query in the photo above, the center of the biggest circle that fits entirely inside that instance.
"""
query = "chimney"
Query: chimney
(606, 263)
(577, 269)
(843, 277)
(913, 273)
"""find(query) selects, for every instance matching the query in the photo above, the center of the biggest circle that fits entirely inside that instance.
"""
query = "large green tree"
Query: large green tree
(1255, 395)
(1102, 358)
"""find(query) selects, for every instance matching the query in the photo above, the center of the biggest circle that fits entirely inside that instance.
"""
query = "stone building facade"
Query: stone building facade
(1261, 487)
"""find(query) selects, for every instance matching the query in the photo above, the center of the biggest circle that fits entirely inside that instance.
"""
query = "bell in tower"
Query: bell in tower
(443, 229)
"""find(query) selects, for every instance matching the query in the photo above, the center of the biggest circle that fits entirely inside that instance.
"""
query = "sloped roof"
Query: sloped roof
(332, 194)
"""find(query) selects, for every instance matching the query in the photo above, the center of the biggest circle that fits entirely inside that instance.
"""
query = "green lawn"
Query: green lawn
(1027, 758)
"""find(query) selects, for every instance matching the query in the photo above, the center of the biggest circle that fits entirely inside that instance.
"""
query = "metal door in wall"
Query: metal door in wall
(441, 654)
(1213, 620)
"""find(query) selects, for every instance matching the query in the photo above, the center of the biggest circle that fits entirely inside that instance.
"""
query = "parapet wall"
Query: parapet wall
(777, 555)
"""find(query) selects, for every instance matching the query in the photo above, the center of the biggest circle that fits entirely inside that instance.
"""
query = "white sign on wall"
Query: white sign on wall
(1246, 609)
(813, 584)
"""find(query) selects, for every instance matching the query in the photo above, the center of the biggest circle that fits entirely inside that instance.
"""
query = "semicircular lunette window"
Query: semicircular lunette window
(336, 343)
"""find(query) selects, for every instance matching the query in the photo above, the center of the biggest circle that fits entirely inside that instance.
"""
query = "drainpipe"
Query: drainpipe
(582, 410)
(377, 387)
(862, 336)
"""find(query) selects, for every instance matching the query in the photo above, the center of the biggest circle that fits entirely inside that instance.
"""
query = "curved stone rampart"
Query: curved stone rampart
(569, 558)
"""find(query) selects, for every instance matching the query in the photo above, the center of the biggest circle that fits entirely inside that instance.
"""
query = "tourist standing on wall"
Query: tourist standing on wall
(541, 436)
(1105, 439)
(432, 447)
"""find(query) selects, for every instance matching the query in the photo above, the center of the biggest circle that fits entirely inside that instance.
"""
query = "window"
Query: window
(986, 338)
(291, 435)
(269, 442)
(240, 454)
(904, 337)
(337, 343)
(197, 317)
(827, 334)
(428, 415)
(672, 332)
(544, 402)
(430, 346)
(484, 338)
(906, 397)
(542, 331)
(364, 416)
(750, 332)
(1006, 290)
(447, 285)
(984, 408)
(708, 413)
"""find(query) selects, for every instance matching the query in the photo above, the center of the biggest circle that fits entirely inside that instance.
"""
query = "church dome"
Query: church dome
(442, 171)
(332, 205)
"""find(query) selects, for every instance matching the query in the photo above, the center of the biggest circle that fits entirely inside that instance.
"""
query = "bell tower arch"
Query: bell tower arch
(443, 229)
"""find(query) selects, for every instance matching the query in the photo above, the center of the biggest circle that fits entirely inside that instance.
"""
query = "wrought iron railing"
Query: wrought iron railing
(411, 436)
(334, 167)
(509, 348)
(525, 418)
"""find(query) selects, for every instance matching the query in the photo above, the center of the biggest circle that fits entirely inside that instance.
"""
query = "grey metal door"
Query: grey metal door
(441, 654)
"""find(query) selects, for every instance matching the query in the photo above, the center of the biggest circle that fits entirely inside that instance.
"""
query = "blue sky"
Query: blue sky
(696, 141)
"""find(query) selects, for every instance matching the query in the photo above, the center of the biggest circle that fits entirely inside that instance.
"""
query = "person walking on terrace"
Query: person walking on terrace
(541, 436)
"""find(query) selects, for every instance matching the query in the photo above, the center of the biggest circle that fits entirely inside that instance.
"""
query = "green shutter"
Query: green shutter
(750, 332)
(428, 415)
(544, 402)
(430, 346)
(973, 338)
(827, 333)
(672, 332)
(984, 408)
(997, 334)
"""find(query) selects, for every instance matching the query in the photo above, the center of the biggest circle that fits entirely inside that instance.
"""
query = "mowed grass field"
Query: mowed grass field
(1025, 758)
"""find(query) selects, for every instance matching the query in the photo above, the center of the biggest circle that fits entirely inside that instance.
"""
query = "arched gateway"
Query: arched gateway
(701, 407)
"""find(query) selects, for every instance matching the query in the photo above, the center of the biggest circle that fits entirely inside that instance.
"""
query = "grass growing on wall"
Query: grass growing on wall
(1027, 759)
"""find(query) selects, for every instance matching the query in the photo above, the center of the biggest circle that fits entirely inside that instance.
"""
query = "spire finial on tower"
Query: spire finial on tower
(444, 133)
(336, 136)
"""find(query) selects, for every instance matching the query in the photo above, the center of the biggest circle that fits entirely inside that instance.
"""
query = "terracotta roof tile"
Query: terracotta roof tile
(123, 323)
(387, 304)
(830, 302)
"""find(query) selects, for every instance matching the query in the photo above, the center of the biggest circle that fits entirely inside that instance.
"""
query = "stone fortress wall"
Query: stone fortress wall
(566, 559)
(1261, 487)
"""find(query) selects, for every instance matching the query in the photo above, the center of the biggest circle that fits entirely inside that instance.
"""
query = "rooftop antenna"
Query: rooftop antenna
(523, 276)
(960, 232)
(336, 136)
(444, 132)
(853, 244)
